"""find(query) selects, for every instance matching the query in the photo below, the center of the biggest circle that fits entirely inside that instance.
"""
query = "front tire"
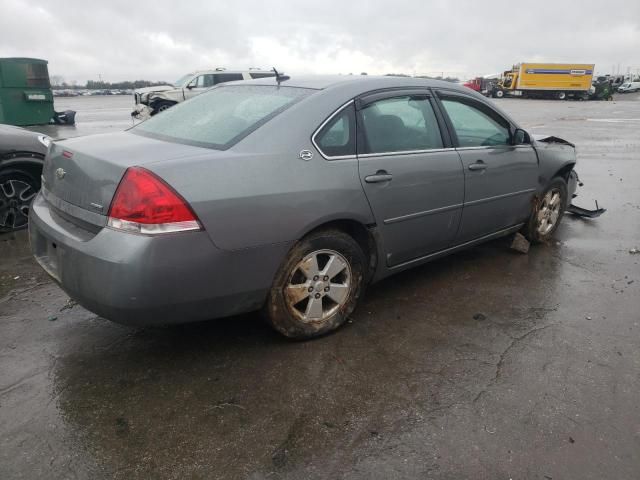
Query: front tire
(561, 96)
(162, 106)
(318, 285)
(548, 212)
(17, 190)
(499, 94)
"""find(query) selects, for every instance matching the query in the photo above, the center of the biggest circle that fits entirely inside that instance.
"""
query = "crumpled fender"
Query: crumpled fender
(551, 139)
(171, 95)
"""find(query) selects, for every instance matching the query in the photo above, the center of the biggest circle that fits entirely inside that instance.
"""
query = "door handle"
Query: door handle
(380, 176)
(479, 165)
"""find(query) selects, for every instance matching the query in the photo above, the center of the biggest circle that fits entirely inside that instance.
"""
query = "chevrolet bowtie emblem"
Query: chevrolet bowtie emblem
(60, 173)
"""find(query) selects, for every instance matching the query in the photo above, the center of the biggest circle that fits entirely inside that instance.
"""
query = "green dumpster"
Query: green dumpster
(25, 92)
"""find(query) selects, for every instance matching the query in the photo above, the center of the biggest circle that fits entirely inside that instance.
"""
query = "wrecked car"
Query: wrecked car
(22, 155)
(151, 100)
(290, 196)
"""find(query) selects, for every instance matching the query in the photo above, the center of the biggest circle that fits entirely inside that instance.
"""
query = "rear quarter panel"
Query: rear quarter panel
(261, 192)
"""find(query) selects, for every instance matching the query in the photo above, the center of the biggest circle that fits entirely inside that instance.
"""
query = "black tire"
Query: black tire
(561, 96)
(499, 94)
(286, 318)
(17, 190)
(534, 230)
(161, 106)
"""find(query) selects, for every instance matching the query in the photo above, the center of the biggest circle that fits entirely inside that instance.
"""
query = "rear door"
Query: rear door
(413, 180)
(500, 178)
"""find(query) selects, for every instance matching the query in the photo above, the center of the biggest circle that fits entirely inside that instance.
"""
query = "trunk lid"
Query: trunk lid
(82, 174)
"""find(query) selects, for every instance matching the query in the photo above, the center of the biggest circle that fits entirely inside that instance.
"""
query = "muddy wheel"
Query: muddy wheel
(548, 212)
(318, 285)
(17, 190)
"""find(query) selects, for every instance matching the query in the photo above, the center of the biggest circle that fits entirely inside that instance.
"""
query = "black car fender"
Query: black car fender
(29, 162)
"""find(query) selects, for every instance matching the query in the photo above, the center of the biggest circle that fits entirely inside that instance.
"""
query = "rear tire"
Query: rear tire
(318, 285)
(561, 96)
(547, 212)
(17, 189)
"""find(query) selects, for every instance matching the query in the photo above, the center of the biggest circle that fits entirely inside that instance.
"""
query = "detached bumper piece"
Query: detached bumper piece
(586, 213)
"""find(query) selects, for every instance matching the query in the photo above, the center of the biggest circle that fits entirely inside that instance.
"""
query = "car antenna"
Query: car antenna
(280, 77)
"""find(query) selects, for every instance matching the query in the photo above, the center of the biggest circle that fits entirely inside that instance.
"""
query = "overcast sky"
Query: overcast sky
(163, 39)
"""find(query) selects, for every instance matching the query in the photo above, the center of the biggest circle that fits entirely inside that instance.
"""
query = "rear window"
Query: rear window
(222, 116)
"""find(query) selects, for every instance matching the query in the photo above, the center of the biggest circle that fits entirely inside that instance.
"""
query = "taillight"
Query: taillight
(144, 203)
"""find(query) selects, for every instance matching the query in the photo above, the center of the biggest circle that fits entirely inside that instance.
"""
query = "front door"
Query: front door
(500, 177)
(413, 181)
(198, 85)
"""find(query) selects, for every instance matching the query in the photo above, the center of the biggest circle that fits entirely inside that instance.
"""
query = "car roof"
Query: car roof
(365, 82)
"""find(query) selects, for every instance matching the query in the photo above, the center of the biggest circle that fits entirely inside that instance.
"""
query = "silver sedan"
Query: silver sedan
(290, 196)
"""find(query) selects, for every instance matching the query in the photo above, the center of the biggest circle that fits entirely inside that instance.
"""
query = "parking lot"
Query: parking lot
(486, 364)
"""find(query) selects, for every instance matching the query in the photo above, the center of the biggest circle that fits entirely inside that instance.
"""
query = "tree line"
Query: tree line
(58, 82)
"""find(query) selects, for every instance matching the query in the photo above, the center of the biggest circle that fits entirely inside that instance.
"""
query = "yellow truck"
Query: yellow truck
(546, 80)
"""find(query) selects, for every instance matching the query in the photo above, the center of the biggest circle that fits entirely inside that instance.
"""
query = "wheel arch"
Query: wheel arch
(364, 234)
(564, 171)
(30, 162)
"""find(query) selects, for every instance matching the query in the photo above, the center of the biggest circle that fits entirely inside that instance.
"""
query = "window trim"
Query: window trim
(323, 124)
(405, 152)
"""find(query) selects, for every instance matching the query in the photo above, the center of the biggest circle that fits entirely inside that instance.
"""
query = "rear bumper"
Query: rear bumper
(145, 280)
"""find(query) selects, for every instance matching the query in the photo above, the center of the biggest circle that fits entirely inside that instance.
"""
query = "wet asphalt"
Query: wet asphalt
(486, 364)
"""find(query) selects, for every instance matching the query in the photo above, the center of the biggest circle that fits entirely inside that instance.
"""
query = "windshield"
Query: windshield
(182, 80)
(222, 116)
(625, 85)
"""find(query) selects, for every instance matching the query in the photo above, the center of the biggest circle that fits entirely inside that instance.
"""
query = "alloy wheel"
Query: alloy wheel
(318, 286)
(15, 198)
(549, 211)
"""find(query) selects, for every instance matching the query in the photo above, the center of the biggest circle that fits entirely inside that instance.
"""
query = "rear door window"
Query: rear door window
(400, 124)
(227, 77)
(476, 125)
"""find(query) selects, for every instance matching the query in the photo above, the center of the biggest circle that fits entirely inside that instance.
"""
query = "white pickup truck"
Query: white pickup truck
(151, 100)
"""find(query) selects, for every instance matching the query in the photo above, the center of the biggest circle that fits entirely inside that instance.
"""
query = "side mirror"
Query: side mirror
(190, 86)
(520, 137)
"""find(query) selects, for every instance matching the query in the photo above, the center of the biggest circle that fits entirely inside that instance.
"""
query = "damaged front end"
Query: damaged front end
(143, 99)
(579, 211)
(550, 147)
